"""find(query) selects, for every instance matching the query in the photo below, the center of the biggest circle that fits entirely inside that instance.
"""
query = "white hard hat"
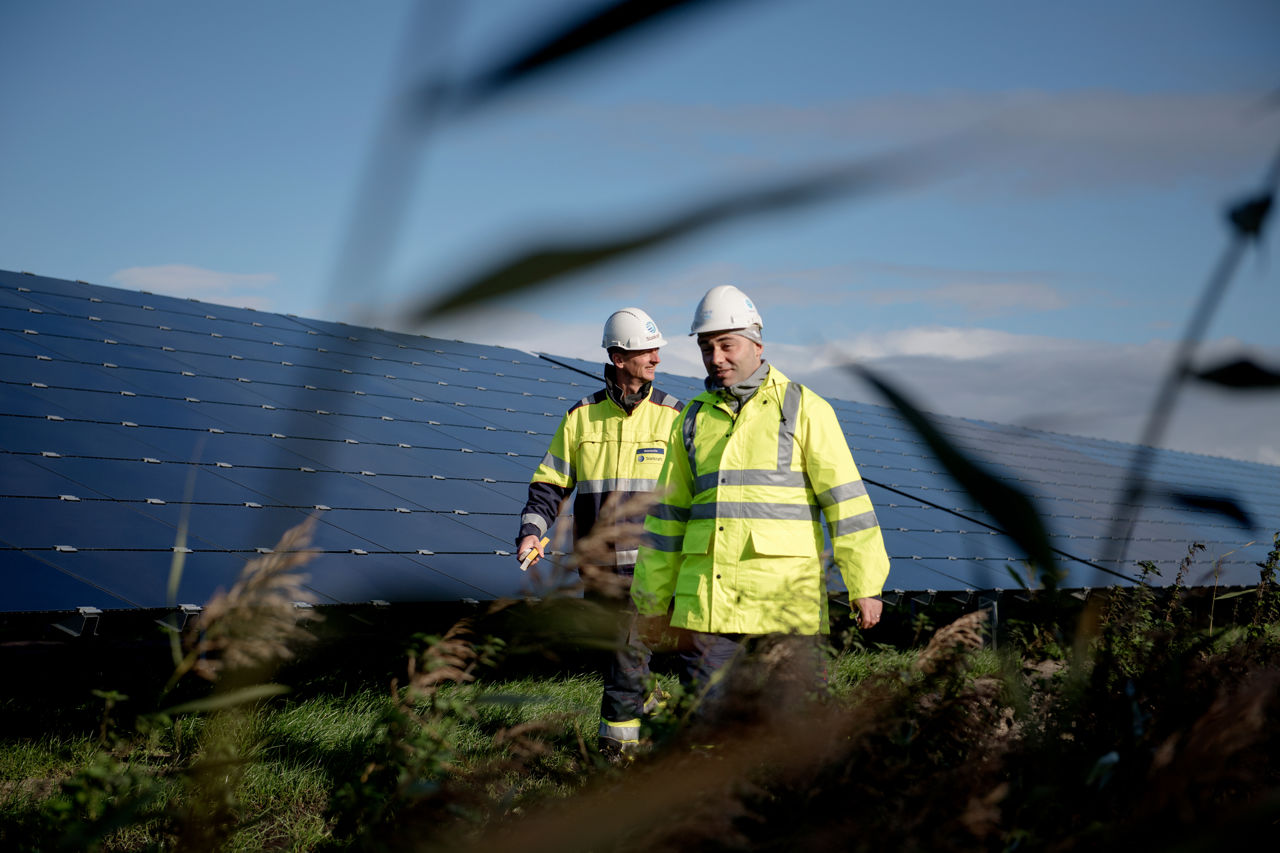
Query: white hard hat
(631, 329)
(725, 308)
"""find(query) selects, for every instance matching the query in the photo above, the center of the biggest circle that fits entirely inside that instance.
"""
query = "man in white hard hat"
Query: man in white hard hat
(757, 462)
(610, 447)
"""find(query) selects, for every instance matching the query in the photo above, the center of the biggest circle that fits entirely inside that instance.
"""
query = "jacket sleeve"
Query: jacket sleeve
(855, 532)
(660, 553)
(551, 484)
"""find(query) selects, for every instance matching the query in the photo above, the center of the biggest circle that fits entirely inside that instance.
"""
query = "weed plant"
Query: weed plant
(1160, 732)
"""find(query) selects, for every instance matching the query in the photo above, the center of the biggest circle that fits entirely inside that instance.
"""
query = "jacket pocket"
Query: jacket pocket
(697, 539)
(768, 541)
(646, 453)
(695, 561)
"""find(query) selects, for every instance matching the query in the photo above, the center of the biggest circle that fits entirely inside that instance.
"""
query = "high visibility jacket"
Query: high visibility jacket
(605, 453)
(737, 538)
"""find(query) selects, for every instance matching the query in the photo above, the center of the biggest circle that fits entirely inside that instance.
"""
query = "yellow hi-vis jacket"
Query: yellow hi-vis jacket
(604, 452)
(737, 537)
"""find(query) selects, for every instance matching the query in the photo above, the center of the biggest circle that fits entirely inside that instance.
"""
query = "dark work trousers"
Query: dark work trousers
(625, 670)
(710, 663)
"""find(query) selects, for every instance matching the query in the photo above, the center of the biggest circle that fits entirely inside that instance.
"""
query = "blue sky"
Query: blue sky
(217, 150)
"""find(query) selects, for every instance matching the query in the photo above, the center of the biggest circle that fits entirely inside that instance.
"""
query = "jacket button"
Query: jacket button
(717, 577)
(722, 528)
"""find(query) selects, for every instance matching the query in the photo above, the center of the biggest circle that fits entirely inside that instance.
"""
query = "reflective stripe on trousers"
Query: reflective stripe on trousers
(627, 731)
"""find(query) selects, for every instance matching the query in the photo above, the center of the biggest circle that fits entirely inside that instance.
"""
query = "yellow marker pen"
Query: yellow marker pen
(527, 557)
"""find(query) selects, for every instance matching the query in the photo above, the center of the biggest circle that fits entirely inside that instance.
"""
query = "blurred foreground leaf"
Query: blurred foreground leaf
(1012, 510)
(1241, 373)
(538, 266)
(595, 28)
(1250, 215)
(1017, 578)
(1221, 504)
(1248, 218)
(230, 699)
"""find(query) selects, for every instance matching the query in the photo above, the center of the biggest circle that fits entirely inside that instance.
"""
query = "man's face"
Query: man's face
(638, 365)
(729, 358)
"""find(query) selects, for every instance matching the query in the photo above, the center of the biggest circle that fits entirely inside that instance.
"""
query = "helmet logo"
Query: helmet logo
(651, 328)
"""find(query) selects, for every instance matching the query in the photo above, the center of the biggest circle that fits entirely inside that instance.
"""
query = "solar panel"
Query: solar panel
(128, 417)
(36, 582)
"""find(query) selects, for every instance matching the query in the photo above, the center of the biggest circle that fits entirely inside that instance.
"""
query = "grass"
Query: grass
(296, 752)
(294, 755)
(1135, 718)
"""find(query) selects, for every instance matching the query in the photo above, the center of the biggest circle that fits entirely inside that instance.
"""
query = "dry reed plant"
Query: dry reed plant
(704, 789)
(419, 783)
(616, 528)
(256, 623)
(951, 642)
(450, 660)
(1214, 749)
(581, 598)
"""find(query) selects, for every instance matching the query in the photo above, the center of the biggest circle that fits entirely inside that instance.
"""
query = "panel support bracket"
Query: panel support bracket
(85, 620)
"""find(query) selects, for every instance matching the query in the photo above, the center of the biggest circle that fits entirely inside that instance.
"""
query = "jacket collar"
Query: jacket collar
(734, 396)
(626, 402)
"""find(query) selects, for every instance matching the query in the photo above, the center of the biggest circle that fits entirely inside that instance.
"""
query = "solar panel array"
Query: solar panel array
(139, 426)
(940, 538)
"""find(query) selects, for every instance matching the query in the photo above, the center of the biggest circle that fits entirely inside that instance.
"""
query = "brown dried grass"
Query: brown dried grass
(258, 622)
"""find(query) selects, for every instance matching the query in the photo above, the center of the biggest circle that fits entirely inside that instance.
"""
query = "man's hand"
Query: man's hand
(522, 549)
(869, 610)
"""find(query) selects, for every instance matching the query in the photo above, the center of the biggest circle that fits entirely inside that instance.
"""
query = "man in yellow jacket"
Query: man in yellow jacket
(755, 465)
(609, 447)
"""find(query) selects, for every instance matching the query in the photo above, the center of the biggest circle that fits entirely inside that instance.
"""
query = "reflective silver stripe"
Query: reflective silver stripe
(750, 477)
(782, 475)
(690, 429)
(555, 463)
(662, 398)
(843, 492)
(746, 509)
(536, 520)
(616, 484)
(667, 512)
(665, 544)
(787, 425)
(626, 558)
(626, 732)
(854, 523)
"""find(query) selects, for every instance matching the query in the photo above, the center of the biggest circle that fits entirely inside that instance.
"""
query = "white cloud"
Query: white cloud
(941, 342)
(245, 290)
